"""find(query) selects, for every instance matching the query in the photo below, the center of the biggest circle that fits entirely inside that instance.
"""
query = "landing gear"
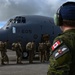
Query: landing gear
(25, 54)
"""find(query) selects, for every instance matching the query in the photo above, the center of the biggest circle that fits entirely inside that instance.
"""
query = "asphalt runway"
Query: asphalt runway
(12, 68)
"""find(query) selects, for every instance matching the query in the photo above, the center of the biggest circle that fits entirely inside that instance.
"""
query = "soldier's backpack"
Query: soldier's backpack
(28, 46)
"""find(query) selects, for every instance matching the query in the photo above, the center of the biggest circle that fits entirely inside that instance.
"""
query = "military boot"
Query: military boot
(19, 61)
(7, 61)
(2, 62)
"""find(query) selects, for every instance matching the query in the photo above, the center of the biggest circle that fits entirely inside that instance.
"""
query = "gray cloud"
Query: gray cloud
(10, 8)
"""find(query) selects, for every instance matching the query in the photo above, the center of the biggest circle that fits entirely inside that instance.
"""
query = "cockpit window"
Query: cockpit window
(17, 20)
(20, 20)
(9, 22)
(23, 20)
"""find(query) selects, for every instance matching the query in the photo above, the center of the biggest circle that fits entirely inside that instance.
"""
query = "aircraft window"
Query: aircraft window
(14, 21)
(9, 22)
(19, 20)
(23, 20)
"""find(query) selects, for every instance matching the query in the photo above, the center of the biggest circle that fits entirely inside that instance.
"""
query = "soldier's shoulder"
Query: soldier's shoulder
(28, 43)
(13, 43)
(58, 38)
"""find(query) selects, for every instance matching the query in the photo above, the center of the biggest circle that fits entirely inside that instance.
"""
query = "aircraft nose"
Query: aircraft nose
(3, 35)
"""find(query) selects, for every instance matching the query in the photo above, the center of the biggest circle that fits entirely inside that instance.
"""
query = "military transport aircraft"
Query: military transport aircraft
(28, 28)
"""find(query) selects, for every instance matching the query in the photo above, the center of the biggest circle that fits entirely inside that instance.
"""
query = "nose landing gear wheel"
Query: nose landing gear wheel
(25, 55)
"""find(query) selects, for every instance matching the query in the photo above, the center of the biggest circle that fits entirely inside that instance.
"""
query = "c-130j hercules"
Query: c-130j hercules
(28, 28)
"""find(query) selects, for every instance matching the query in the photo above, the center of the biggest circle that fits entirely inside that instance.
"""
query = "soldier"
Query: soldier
(31, 47)
(48, 44)
(42, 49)
(62, 57)
(3, 49)
(46, 40)
(45, 37)
(17, 47)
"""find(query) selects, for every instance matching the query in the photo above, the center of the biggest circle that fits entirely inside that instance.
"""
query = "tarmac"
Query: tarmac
(36, 68)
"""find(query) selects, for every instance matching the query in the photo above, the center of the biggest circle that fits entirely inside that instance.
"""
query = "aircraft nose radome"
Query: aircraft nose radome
(2, 35)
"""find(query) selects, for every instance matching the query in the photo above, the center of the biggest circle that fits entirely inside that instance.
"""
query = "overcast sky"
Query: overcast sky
(10, 8)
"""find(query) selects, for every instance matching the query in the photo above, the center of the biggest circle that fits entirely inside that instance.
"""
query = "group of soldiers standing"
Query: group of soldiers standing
(43, 50)
(15, 47)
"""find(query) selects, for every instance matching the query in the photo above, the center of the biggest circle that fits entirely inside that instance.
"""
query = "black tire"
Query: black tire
(25, 54)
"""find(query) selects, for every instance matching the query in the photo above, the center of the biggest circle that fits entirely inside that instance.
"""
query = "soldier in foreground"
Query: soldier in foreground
(31, 47)
(62, 57)
(3, 49)
(17, 47)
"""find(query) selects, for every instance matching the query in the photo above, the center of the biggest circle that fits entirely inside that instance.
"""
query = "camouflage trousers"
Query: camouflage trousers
(19, 56)
(47, 55)
(31, 56)
(42, 56)
(4, 57)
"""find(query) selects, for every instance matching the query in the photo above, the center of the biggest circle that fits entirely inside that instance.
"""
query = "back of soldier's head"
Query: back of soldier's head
(65, 14)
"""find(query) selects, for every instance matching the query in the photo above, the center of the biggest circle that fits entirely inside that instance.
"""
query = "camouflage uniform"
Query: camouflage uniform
(62, 59)
(47, 53)
(3, 49)
(17, 47)
(31, 48)
(42, 48)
